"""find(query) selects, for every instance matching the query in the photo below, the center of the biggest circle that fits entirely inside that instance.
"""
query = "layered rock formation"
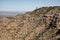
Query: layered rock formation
(40, 24)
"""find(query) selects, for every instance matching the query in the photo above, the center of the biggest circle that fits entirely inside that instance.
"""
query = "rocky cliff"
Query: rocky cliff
(40, 24)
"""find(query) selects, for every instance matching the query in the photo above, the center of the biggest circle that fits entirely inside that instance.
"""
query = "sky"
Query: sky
(26, 5)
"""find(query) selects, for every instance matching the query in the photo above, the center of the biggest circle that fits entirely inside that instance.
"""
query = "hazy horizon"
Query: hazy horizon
(26, 5)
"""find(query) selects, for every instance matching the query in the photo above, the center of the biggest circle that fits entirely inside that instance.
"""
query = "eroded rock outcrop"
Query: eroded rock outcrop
(40, 24)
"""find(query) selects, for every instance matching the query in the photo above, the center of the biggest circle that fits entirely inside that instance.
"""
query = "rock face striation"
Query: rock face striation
(40, 24)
